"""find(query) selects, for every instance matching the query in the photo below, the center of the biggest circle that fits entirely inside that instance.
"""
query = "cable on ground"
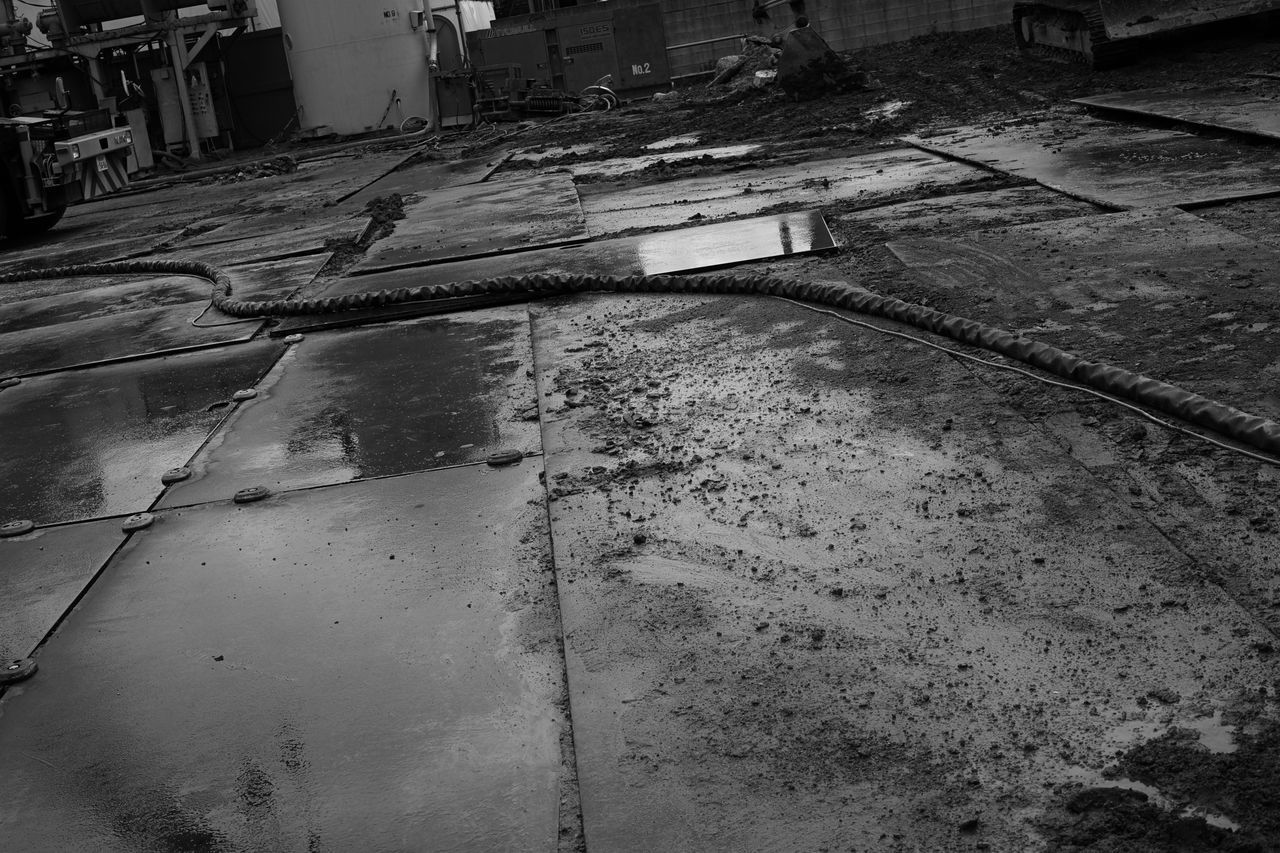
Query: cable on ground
(1184, 405)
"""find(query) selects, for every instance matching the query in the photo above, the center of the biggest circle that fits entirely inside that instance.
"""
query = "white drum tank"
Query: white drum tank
(357, 65)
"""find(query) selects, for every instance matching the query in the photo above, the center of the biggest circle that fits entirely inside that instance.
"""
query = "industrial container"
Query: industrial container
(573, 47)
(358, 66)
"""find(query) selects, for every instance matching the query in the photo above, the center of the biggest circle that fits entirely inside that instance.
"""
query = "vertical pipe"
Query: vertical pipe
(178, 46)
(96, 75)
(433, 67)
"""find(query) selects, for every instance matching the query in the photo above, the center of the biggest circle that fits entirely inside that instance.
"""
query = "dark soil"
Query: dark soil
(945, 79)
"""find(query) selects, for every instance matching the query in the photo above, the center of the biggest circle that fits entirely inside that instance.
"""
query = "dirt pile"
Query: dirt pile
(738, 72)
(808, 68)
(935, 81)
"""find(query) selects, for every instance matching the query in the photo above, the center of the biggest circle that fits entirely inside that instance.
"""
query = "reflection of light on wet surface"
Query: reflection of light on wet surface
(1215, 735)
(671, 142)
(623, 165)
(889, 109)
(554, 151)
(732, 242)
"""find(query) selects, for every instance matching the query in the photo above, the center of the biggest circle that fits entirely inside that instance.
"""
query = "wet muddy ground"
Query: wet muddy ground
(762, 580)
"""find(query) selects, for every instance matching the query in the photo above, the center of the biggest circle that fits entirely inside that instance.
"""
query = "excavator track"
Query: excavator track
(1107, 33)
(1070, 31)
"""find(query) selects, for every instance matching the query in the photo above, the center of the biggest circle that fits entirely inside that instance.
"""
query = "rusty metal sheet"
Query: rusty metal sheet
(374, 402)
(43, 573)
(683, 250)
(480, 219)
(368, 667)
(88, 443)
(1252, 110)
(1116, 165)
(745, 192)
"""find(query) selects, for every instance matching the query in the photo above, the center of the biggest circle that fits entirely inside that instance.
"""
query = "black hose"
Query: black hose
(1193, 408)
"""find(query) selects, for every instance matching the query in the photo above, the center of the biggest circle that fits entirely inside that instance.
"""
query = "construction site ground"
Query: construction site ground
(685, 572)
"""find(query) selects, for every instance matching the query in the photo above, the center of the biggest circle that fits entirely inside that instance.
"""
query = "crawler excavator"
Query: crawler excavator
(1106, 33)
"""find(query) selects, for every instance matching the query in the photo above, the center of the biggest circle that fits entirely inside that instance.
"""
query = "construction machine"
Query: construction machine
(51, 155)
(1106, 33)
(50, 161)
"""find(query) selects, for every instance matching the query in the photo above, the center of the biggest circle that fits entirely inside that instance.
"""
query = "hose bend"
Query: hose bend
(1248, 429)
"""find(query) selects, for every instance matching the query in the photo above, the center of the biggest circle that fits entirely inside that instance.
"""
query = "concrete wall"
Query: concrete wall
(845, 24)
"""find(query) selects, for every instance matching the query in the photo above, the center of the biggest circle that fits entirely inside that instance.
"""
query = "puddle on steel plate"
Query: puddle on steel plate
(548, 153)
(672, 142)
(887, 110)
(626, 165)
(720, 245)
(1215, 735)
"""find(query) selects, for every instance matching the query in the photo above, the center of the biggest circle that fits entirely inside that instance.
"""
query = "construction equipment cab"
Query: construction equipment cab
(50, 161)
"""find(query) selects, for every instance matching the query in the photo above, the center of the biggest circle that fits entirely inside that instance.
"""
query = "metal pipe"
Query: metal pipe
(672, 47)
(178, 45)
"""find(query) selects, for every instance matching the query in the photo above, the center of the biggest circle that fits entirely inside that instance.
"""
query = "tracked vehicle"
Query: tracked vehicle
(1106, 33)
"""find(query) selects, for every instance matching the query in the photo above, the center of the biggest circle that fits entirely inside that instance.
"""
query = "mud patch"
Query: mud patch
(1124, 821)
(1243, 785)
(1183, 791)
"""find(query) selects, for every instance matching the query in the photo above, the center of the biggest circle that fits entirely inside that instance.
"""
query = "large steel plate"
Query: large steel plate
(321, 182)
(292, 228)
(956, 214)
(1116, 165)
(748, 192)
(424, 177)
(1251, 110)
(371, 667)
(1086, 284)
(479, 219)
(826, 589)
(616, 167)
(88, 443)
(683, 250)
(91, 297)
(374, 402)
(41, 576)
(118, 337)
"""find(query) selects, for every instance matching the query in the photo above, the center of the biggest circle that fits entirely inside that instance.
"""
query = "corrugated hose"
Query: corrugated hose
(1243, 427)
